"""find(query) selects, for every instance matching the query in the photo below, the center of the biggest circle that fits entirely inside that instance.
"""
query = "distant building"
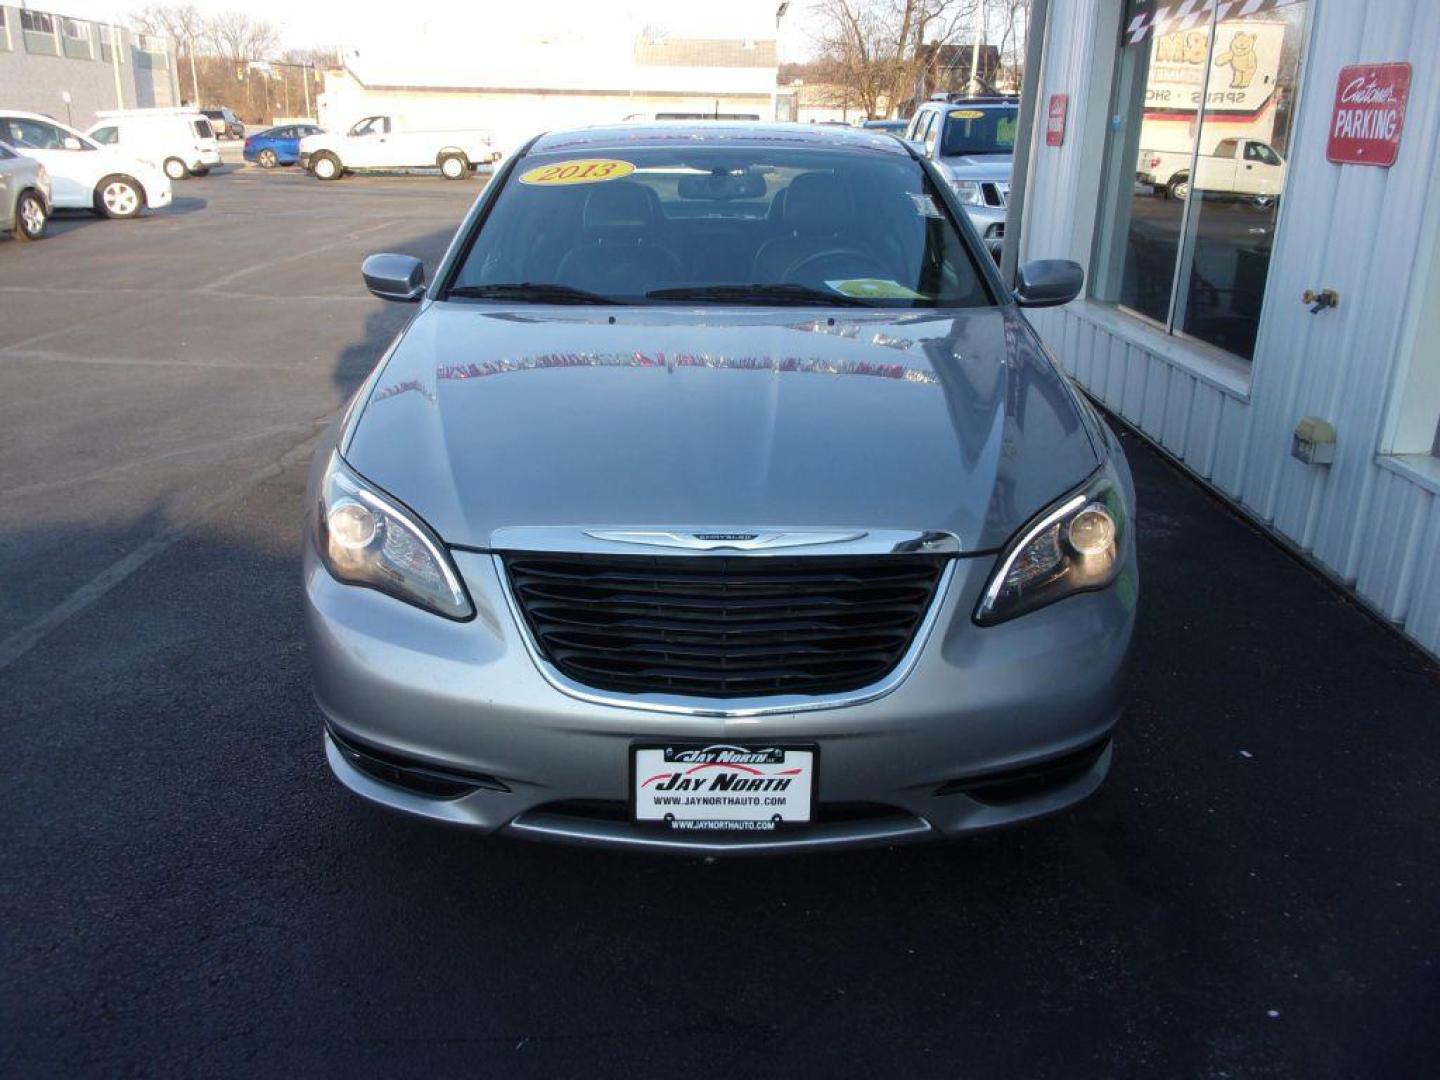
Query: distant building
(820, 103)
(562, 81)
(68, 68)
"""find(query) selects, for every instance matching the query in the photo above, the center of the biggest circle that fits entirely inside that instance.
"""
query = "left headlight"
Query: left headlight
(364, 538)
(1073, 546)
(968, 192)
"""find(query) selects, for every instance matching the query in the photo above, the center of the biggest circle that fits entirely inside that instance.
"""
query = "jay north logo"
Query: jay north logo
(722, 769)
(725, 755)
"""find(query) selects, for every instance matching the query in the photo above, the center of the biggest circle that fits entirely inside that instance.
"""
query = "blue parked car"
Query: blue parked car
(278, 145)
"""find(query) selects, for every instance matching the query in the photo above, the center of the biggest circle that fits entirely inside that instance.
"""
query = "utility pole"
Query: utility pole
(305, 74)
(194, 80)
(115, 62)
(976, 85)
(919, 70)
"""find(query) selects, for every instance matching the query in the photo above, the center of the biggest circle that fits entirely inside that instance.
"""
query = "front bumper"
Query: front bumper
(993, 726)
(158, 193)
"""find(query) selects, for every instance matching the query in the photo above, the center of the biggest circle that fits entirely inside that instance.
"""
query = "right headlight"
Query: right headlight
(364, 538)
(1073, 546)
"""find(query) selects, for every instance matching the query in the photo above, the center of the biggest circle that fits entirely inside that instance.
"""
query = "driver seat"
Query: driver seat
(818, 214)
(622, 254)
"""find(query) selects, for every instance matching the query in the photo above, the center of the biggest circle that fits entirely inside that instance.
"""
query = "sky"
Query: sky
(305, 23)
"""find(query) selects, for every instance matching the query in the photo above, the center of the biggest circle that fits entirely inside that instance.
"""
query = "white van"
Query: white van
(181, 141)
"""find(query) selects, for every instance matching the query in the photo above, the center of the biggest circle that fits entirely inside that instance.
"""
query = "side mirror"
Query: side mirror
(72, 143)
(394, 277)
(1048, 283)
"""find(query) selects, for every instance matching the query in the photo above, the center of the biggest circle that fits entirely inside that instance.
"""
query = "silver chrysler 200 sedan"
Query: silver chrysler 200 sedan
(719, 497)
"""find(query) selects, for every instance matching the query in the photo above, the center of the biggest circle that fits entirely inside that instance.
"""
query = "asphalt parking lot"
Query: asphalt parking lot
(185, 891)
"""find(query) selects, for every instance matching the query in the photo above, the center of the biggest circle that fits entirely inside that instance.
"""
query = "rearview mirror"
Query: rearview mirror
(1048, 283)
(394, 277)
(722, 185)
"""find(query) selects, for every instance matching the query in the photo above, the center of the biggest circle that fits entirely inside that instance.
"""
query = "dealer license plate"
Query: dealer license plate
(723, 787)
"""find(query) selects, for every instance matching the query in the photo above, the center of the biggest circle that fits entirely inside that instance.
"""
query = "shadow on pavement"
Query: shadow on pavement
(184, 204)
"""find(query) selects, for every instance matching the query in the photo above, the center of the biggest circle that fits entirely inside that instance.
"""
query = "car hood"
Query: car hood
(486, 418)
(980, 166)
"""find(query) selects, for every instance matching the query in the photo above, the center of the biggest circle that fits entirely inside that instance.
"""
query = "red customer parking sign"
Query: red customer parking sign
(1055, 120)
(1369, 114)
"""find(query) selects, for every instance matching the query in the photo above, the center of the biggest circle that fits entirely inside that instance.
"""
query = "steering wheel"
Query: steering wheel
(811, 262)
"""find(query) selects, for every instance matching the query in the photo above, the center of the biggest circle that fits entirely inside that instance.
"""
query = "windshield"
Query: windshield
(980, 131)
(721, 224)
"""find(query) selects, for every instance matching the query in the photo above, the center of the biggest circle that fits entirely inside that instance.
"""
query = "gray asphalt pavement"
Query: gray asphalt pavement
(185, 892)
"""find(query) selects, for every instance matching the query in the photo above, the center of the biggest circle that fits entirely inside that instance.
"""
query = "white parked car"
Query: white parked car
(83, 174)
(181, 140)
(1235, 167)
(24, 195)
(397, 142)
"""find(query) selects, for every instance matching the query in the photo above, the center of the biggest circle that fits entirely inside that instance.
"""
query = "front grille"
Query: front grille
(723, 626)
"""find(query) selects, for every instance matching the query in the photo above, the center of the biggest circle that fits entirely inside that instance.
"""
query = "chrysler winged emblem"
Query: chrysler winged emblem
(714, 540)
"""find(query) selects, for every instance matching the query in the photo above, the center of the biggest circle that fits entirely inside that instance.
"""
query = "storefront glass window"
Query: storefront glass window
(1196, 166)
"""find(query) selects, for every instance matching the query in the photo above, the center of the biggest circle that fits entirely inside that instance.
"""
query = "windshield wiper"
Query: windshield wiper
(539, 292)
(769, 294)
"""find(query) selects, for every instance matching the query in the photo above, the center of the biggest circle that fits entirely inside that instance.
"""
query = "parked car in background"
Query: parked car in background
(720, 497)
(890, 127)
(83, 174)
(1246, 167)
(226, 124)
(278, 145)
(972, 140)
(397, 142)
(24, 195)
(181, 140)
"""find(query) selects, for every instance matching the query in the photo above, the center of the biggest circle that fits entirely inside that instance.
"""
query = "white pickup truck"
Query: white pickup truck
(1235, 167)
(396, 142)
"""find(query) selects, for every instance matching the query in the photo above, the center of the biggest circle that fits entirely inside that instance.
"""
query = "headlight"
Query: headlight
(968, 192)
(364, 538)
(1072, 547)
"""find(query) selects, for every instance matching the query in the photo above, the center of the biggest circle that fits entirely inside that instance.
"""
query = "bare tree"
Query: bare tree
(238, 37)
(881, 51)
(182, 22)
(1013, 16)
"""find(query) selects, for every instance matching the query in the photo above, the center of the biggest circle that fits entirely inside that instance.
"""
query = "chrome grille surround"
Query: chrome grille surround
(868, 548)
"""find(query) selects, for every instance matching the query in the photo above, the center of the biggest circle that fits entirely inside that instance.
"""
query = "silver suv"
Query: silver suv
(972, 140)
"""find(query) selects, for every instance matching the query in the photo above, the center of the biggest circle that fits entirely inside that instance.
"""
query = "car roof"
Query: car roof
(25, 114)
(716, 133)
(957, 106)
(28, 115)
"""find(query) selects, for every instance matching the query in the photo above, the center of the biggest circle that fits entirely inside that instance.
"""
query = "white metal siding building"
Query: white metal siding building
(1175, 368)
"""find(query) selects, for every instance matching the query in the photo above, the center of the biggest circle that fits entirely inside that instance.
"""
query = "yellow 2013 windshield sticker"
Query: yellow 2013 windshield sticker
(873, 289)
(582, 171)
(967, 114)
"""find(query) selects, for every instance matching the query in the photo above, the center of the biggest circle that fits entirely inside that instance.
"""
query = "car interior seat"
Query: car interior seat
(623, 253)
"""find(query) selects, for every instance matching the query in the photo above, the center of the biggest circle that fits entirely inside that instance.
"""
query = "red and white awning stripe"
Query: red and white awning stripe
(1167, 18)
